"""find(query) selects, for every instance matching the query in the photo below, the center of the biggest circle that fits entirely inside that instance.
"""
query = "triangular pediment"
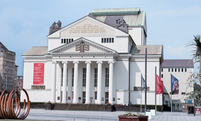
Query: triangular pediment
(82, 46)
(87, 26)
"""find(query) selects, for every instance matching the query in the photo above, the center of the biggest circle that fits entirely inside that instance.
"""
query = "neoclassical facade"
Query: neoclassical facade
(97, 59)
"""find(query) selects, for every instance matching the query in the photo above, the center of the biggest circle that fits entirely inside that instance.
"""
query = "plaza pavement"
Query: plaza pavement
(41, 114)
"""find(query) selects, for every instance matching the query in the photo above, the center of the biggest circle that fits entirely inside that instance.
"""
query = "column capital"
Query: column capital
(75, 62)
(88, 62)
(99, 62)
(65, 62)
(112, 61)
(54, 62)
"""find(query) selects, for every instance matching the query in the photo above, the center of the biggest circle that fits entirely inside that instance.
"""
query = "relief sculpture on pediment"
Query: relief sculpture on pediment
(82, 47)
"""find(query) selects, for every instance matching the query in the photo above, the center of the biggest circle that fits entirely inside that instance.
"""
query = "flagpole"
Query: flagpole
(171, 91)
(155, 90)
(141, 99)
(145, 107)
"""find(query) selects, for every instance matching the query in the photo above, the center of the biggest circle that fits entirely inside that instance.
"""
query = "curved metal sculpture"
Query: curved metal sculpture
(10, 105)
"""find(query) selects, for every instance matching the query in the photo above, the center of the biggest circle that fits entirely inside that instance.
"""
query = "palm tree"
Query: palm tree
(198, 52)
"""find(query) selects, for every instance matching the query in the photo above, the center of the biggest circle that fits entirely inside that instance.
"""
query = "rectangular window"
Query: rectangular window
(106, 77)
(183, 93)
(168, 69)
(178, 69)
(182, 70)
(95, 94)
(95, 77)
(161, 75)
(107, 40)
(185, 69)
(172, 69)
(175, 70)
(66, 40)
(84, 77)
(162, 70)
(72, 77)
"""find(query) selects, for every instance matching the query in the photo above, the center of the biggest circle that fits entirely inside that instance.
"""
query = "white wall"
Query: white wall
(37, 95)
(138, 36)
(138, 68)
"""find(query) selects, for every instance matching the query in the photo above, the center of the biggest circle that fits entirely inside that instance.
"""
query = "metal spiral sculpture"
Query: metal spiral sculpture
(10, 105)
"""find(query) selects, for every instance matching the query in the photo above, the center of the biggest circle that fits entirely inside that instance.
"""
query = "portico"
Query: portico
(72, 82)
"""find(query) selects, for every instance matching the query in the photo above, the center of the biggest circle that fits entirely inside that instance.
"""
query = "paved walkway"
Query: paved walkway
(175, 116)
(41, 114)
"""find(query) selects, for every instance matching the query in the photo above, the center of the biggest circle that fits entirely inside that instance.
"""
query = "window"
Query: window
(185, 69)
(178, 69)
(20, 84)
(139, 89)
(95, 94)
(95, 76)
(161, 75)
(168, 69)
(183, 93)
(106, 77)
(72, 77)
(69, 40)
(107, 40)
(84, 77)
(182, 70)
(175, 70)
(172, 69)
(162, 70)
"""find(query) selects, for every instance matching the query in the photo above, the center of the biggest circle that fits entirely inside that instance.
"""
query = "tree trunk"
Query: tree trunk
(200, 70)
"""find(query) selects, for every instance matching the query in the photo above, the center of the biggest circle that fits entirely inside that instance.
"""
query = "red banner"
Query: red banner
(159, 85)
(38, 75)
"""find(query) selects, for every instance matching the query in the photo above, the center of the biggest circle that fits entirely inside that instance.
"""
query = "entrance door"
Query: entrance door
(106, 97)
(83, 97)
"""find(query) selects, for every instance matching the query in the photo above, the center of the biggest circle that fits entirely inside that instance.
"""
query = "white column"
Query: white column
(99, 86)
(53, 82)
(64, 81)
(70, 86)
(111, 83)
(75, 95)
(88, 82)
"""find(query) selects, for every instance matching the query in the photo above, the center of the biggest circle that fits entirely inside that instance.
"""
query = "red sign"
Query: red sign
(38, 75)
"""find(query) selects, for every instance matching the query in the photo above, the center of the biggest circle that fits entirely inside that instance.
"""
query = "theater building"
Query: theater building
(97, 59)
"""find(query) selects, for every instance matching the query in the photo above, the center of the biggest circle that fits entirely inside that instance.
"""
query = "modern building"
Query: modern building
(8, 69)
(97, 59)
(182, 70)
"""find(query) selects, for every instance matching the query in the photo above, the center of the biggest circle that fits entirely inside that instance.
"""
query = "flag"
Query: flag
(174, 85)
(159, 85)
(142, 83)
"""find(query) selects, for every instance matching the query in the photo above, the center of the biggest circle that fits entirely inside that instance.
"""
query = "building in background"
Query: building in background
(181, 69)
(97, 59)
(19, 83)
(8, 69)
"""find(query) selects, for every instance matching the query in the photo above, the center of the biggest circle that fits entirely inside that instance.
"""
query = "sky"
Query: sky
(171, 23)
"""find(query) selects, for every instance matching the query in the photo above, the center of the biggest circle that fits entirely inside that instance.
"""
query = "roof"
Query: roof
(39, 51)
(178, 63)
(151, 50)
(131, 16)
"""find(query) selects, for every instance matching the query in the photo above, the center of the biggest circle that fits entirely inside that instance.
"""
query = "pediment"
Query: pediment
(87, 26)
(82, 46)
